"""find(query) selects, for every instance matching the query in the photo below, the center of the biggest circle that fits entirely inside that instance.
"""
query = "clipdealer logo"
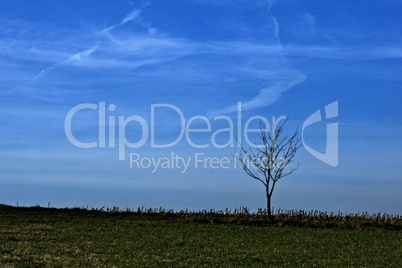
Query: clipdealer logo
(108, 123)
(330, 156)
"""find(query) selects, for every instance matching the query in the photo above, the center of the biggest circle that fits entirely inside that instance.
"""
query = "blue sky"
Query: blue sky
(277, 58)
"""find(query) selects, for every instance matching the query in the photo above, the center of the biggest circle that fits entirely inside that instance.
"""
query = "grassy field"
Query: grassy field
(36, 237)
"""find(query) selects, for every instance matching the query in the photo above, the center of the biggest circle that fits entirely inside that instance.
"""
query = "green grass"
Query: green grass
(37, 237)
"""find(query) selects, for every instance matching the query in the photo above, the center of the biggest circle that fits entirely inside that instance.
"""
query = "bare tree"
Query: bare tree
(268, 161)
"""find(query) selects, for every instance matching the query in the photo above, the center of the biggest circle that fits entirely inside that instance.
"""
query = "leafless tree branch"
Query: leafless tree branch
(268, 163)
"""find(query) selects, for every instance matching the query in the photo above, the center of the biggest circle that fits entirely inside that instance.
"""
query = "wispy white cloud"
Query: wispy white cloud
(77, 57)
(344, 53)
(43, 73)
(131, 16)
(134, 14)
(83, 54)
(266, 62)
(25, 50)
(282, 80)
(238, 3)
(276, 63)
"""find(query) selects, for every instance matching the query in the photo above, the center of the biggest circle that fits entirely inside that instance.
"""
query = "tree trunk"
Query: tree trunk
(268, 204)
